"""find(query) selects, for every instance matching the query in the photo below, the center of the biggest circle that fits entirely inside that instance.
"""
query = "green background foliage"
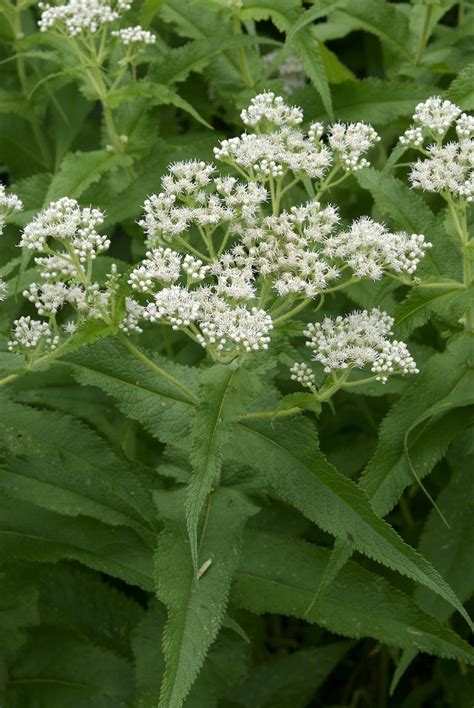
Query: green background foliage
(333, 548)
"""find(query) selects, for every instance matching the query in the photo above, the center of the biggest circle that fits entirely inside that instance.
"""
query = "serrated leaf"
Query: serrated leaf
(283, 13)
(31, 533)
(54, 461)
(224, 392)
(79, 170)
(445, 386)
(18, 609)
(160, 395)
(278, 575)
(293, 465)
(421, 303)
(290, 679)
(156, 94)
(461, 90)
(306, 48)
(54, 670)
(196, 606)
(381, 18)
(375, 101)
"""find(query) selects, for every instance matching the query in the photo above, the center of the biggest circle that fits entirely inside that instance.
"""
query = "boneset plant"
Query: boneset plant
(254, 272)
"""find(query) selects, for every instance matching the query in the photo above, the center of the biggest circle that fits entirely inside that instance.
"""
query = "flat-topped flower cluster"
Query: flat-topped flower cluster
(79, 18)
(449, 166)
(231, 257)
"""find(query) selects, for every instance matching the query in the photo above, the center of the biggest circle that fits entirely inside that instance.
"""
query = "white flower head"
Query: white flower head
(436, 115)
(302, 374)
(370, 249)
(134, 35)
(78, 16)
(272, 109)
(448, 168)
(28, 334)
(65, 221)
(9, 204)
(350, 142)
(359, 340)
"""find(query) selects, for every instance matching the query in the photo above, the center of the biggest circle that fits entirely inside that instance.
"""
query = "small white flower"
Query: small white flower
(79, 16)
(3, 290)
(28, 334)
(359, 340)
(273, 109)
(436, 115)
(302, 374)
(9, 203)
(350, 142)
(134, 35)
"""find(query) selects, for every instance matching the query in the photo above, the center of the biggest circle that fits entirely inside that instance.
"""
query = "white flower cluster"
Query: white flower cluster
(449, 167)
(74, 227)
(191, 196)
(29, 334)
(134, 35)
(302, 374)
(279, 145)
(79, 16)
(370, 249)
(67, 236)
(272, 109)
(350, 142)
(9, 203)
(359, 340)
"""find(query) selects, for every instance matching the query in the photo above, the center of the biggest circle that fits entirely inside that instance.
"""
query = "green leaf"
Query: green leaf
(56, 671)
(196, 605)
(224, 392)
(427, 417)
(35, 534)
(13, 102)
(290, 679)
(421, 303)
(306, 48)
(18, 609)
(379, 17)
(156, 95)
(157, 393)
(376, 101)
(288, 455)
(283, 13)
(54, 461)
(461, 90)
(89, 607)
(148, 10)
(320, 9)
(81, 169)
(278, 575)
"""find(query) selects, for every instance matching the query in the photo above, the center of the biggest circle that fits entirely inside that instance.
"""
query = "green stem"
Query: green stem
(7, 379)
(424, 34)
(460, 223)
(243, 64)
(258, 415)
(154, 367)
(292, 312)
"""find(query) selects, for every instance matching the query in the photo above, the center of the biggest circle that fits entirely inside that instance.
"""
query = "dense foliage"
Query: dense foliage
(236, 353)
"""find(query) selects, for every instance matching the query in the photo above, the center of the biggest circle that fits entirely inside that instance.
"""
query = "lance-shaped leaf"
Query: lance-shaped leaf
(224, 392)
(289, 457)
(196, 605)
(451, 301)
(417, 431)
(35, 534)
(279, 574)
(55, 461)
(153, 391)
(448, 548)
